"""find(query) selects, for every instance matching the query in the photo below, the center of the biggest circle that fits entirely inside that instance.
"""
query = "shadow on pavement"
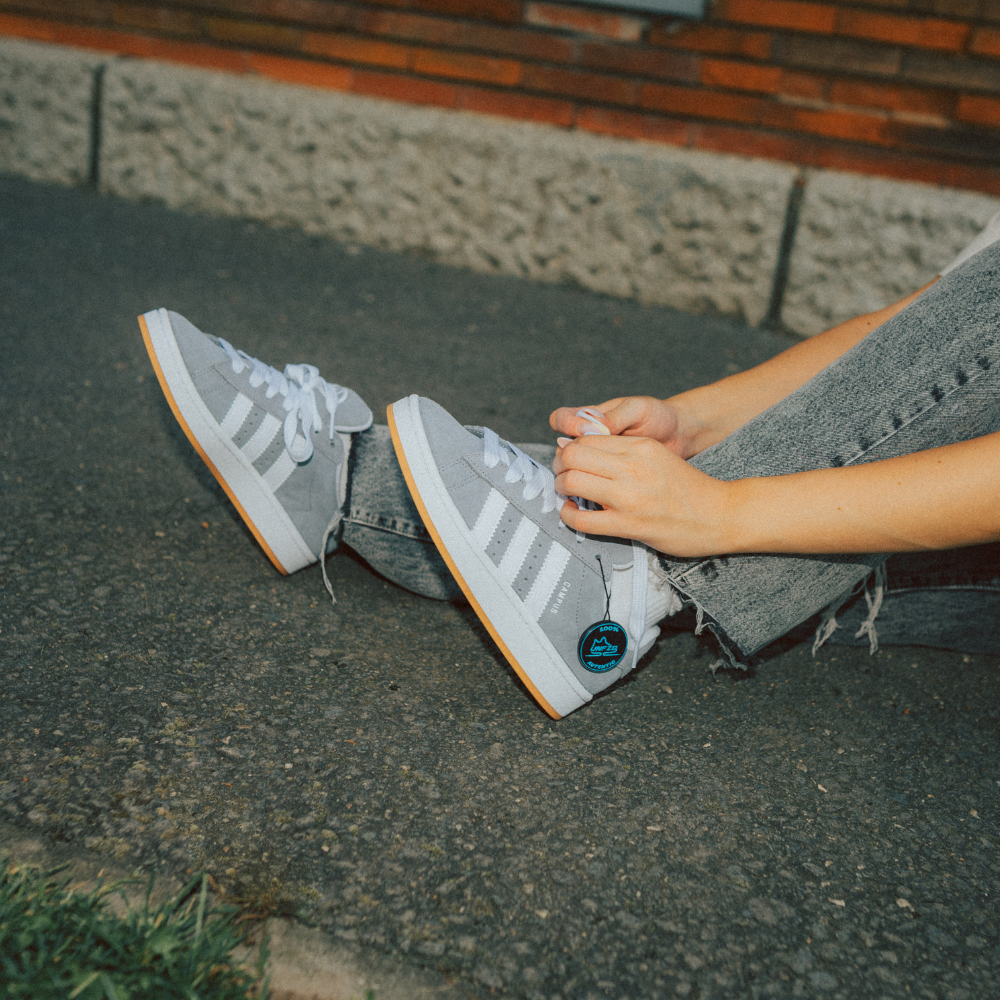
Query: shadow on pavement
(825, 827)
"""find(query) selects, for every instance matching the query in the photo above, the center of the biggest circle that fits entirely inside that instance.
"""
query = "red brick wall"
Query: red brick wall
(901, 88)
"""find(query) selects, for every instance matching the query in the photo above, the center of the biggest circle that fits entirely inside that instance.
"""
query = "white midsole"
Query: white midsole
(523, 636)
(259, 504)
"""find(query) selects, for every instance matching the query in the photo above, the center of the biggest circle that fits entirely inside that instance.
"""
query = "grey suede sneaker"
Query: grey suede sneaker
(568, 611)
(277, 443)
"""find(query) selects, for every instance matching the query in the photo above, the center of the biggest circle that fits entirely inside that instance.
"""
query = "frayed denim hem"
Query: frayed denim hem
(874, 587)
(732, 658)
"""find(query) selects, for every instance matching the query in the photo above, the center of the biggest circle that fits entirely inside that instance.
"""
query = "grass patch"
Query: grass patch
(55, 942)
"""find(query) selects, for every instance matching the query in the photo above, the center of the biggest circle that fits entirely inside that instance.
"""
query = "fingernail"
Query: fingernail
(562, 442)
(588, 415)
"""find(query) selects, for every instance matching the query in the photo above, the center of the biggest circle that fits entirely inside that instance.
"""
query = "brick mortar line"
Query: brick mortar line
(973, 22)
(778, 98)
(640, 80)
(413, 47)
(308, 27)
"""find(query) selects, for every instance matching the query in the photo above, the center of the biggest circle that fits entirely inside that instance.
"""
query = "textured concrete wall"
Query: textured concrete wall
(46, 106)
(694, 230)
(864, 242)
(687, 229)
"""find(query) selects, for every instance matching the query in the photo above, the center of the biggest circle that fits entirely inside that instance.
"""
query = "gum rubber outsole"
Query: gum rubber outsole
(435, 534)
(285, 537)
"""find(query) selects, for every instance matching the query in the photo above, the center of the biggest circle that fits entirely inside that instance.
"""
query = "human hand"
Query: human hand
(648, 493)
(628, 416)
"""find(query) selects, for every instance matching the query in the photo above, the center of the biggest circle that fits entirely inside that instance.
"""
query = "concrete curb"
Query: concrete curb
(47, 111)
(863, 242)
(693, 230)
(684, 229)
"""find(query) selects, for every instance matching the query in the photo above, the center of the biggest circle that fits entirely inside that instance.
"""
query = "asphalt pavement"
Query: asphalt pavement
(820, 827)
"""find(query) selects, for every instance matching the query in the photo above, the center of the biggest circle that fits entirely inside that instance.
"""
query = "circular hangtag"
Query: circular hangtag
(602, 646)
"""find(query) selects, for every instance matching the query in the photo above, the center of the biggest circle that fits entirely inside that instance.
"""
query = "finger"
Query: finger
(577, 421)
(565, 421)
(580, 454)
(595, 419)
(610, 404)
(591, 522)
(614, 444)
(599, 455)
(621, 415)
(597, 489)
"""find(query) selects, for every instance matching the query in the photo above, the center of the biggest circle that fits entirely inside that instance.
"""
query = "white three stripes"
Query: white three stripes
(262, 437)
(283, 466)
(489, 518)
(548, 576)
(238, 412)
(517, 551)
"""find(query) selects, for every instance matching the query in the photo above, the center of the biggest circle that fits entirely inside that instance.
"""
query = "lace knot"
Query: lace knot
(298, 385)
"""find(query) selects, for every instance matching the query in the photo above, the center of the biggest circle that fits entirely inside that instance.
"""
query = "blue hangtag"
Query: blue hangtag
(602, 646)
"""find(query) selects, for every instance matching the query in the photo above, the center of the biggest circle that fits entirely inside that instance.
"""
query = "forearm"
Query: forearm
(943, 498)
(712, 412)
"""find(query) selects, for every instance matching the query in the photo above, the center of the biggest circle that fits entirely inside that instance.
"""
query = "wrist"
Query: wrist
(697, 422)
(747, 516)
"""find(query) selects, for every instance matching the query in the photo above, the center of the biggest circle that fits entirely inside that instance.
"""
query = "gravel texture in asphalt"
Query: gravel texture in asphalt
(820, 827)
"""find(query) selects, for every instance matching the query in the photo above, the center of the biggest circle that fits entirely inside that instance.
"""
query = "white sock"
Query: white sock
(661, 598)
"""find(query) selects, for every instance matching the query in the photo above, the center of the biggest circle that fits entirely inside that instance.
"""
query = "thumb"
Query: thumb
(619, 415)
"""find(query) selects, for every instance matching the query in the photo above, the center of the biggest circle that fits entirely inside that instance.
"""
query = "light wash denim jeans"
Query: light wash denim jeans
(930, 376)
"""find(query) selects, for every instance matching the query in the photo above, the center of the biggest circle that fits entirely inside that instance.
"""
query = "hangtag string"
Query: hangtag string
(607, 590)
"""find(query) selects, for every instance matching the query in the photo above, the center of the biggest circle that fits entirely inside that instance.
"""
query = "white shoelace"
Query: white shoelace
(298, 385)
(537, 479)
